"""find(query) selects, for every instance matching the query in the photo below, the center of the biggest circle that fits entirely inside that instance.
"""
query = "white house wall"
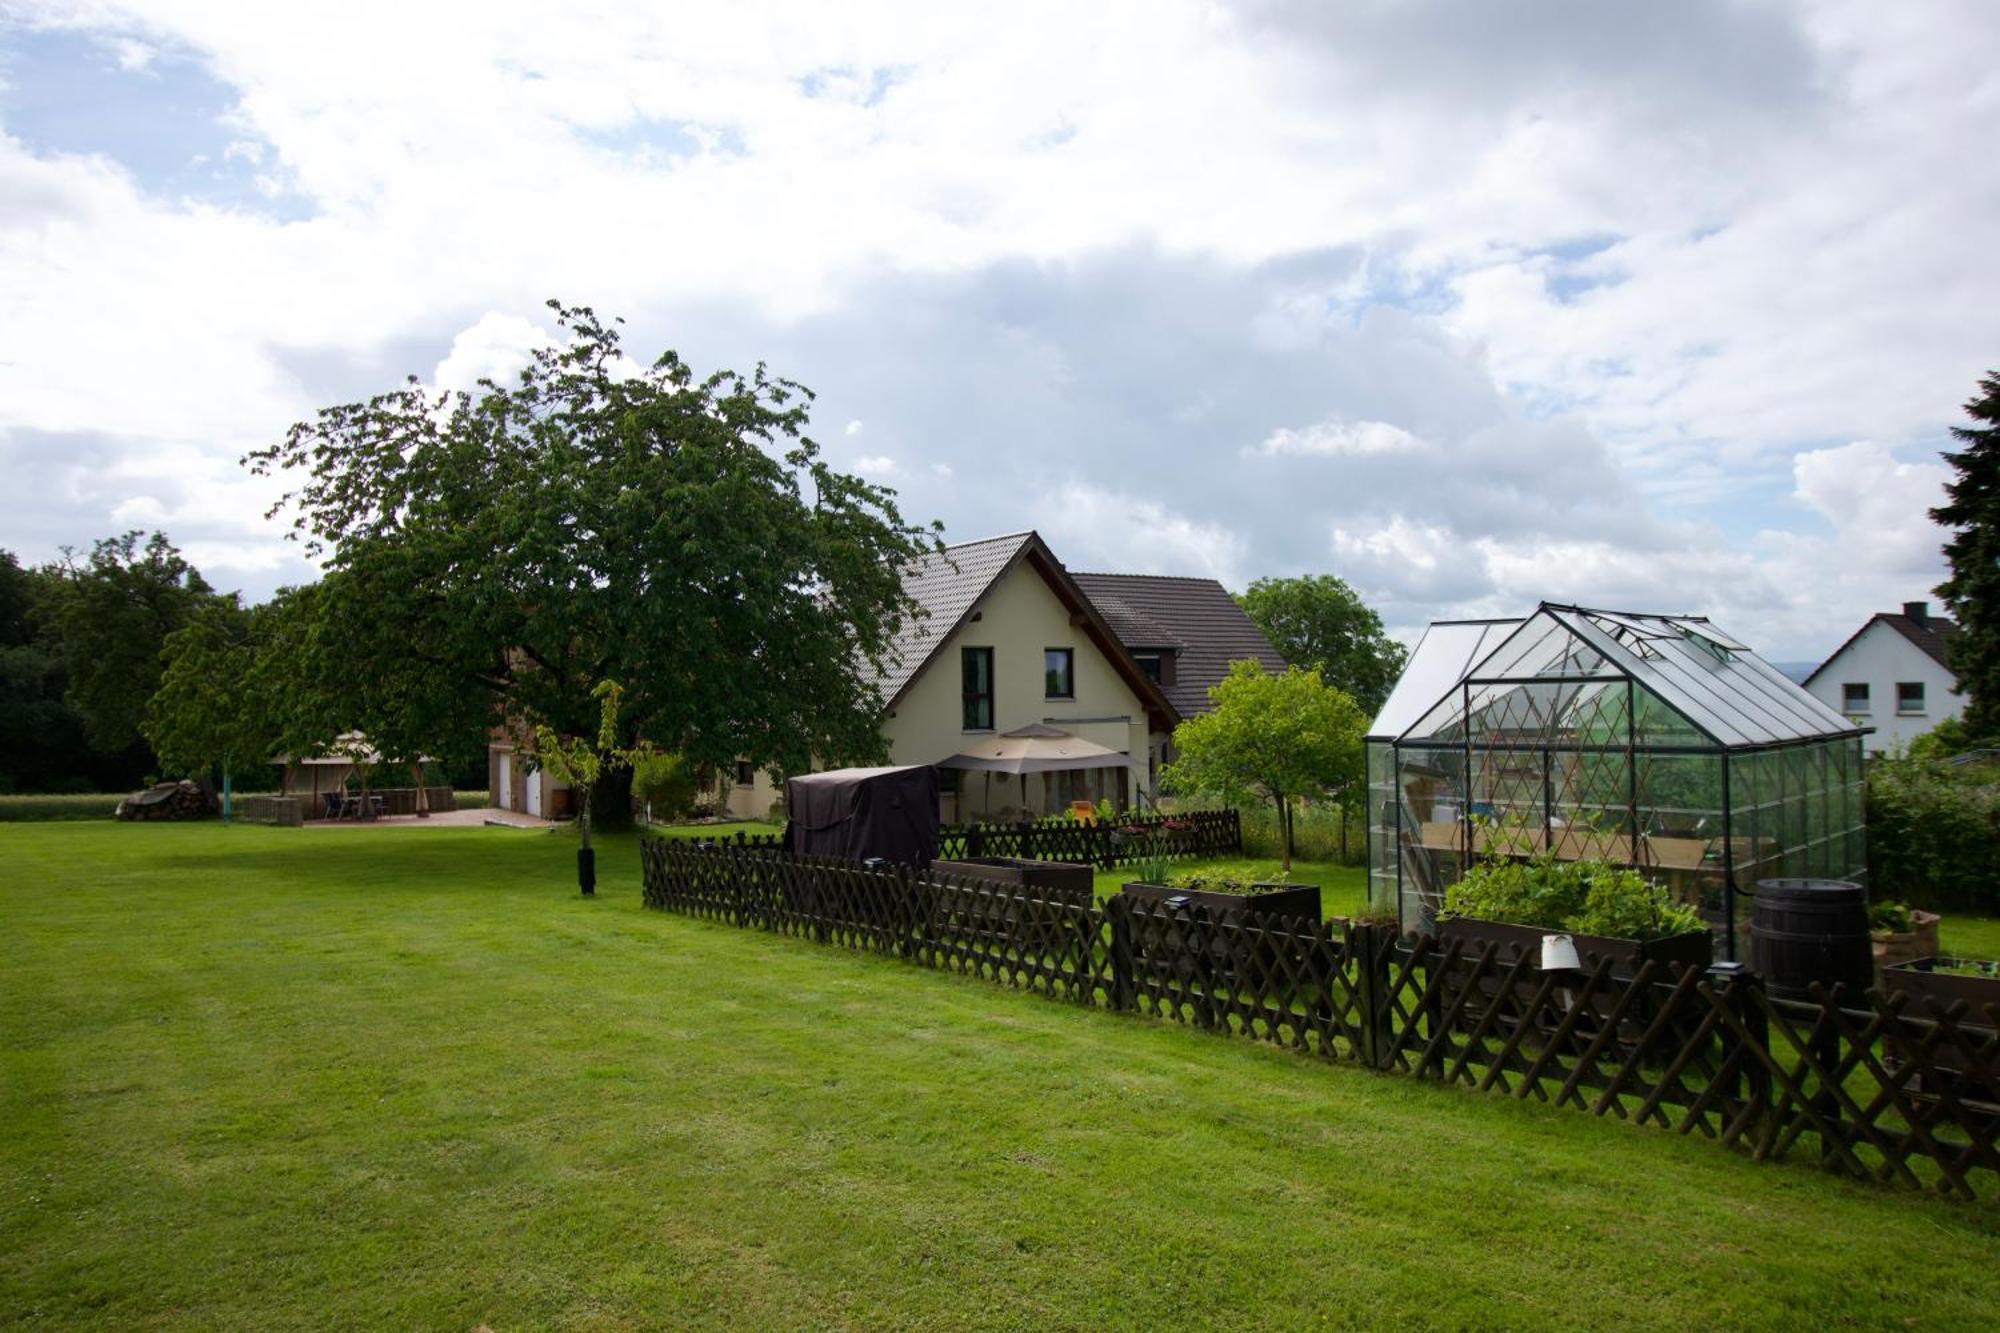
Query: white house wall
(1881, 658)
(1019, 617)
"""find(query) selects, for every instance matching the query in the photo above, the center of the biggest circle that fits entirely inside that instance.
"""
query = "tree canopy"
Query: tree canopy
(601, 520)
(1972, 593)
(1275, 738)
(114, 611)
(1319, 621)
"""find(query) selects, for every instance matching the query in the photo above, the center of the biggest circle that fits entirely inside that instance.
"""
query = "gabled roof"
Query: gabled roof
(1933, 637)
(1441, 659)
(945, 583)
(1716, 685)
(1198, 618)
(949, 584)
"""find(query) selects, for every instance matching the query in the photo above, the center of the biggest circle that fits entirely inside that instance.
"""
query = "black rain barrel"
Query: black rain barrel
(1807, 930)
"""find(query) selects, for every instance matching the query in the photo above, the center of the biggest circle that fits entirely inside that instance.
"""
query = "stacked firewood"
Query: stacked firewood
(168, 800)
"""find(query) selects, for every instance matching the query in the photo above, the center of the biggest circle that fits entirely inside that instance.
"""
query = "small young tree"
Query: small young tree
(209, 709)
(1972, 593)
(585, 761)
(1275, 737)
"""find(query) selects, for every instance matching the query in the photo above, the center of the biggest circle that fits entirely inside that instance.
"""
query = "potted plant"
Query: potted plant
(1902, 933)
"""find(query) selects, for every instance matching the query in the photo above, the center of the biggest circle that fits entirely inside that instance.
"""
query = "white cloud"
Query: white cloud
(495, 348)
(1333, 437)
(1094, 528)
(1617, 277)
(876, 466)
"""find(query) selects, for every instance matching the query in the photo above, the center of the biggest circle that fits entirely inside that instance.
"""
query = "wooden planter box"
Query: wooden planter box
(1064, 882)
(1946, 1067)
(1893, 948)
(1696, 948)
(1172, 951)
(1295, 900)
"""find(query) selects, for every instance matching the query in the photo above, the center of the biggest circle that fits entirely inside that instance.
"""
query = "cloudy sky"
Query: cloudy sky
(1662, 306)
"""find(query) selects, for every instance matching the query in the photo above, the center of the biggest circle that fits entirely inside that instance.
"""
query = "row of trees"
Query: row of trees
(80, 660)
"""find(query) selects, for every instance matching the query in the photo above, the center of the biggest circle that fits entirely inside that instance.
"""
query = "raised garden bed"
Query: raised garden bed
(1058, 881)
(1695, 948)
(1161, 945)
(1252, 900)
(1934, 985)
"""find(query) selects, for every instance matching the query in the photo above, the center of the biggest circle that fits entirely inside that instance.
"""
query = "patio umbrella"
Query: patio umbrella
(1034, 749)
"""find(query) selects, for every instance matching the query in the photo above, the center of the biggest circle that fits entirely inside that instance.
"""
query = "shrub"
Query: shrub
(1587, 897)
(1934, 834)
(1315, 834)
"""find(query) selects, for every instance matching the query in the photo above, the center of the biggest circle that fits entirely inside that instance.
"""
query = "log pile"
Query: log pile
(169, 800)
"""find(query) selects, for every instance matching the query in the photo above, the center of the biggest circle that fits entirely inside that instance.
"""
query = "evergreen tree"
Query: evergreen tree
(1972, 593)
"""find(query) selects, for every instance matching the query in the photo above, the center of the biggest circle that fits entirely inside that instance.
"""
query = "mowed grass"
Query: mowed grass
(406, 1078)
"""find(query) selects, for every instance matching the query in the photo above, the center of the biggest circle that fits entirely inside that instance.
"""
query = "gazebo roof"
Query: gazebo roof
(1546, 661)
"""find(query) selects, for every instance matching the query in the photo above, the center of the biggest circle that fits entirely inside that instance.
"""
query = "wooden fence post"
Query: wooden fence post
(1119, 912)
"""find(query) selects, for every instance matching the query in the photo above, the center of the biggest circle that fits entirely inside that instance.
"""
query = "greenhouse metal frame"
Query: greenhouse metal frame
(1654, 741)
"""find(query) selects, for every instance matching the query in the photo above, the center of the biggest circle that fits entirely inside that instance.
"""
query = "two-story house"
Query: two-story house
(1892, 675)
(1013, 648)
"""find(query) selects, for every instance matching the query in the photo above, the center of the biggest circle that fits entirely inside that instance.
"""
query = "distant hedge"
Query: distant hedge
(1934, 834)
(91, 805)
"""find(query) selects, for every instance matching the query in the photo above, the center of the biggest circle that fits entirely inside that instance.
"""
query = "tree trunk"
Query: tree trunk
(610, 800)
(1284, 832)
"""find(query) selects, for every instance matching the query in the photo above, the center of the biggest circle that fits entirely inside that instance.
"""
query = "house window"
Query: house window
(1854, 697)
(1059, 672)
(1149, 665)
(976, 670)
(1909, 696)
(746, 772)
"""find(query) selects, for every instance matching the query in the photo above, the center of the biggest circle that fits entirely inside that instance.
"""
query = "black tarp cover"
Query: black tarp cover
(858, 813)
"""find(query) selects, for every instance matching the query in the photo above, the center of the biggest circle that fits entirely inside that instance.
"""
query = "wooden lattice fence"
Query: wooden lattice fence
(1117, 842)
(1875, 1086)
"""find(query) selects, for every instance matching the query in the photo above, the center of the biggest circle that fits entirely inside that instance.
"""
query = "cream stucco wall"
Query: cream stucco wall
(1019, 617)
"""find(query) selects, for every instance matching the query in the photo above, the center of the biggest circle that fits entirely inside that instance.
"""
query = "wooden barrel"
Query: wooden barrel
(1807, 930)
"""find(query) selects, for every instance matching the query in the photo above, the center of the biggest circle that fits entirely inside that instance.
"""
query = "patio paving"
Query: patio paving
(443, 819)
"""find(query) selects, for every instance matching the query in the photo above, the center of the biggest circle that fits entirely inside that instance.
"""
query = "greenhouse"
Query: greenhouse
(1646, 740)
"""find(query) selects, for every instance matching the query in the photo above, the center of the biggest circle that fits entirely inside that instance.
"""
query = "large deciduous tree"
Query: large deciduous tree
(210, 709)
(1318, 621)
(1277, 738)
(1972, 593)
(597, 520)
(114, 611)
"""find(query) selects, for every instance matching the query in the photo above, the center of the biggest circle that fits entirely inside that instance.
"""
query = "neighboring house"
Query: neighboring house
(1183, 633)
(1008, 641)
(513, 784)
(1891, 675)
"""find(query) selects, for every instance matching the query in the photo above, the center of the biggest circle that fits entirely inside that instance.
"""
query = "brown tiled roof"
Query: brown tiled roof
(1203, 620)
(1933, 637)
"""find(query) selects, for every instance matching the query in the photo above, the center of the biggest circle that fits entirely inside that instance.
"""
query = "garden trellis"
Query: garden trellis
(1654, 741)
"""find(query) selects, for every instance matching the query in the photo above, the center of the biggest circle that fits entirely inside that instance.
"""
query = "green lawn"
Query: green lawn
(405, 1078)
